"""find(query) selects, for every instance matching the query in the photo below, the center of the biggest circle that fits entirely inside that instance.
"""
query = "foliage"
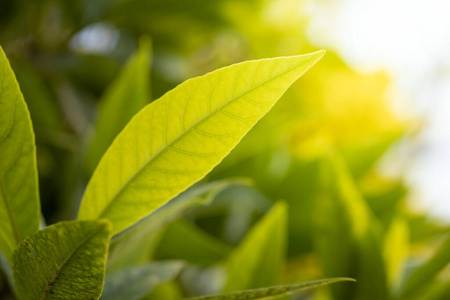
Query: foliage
(299, 198)
(175, 141)
(63, 261)
(19, 205)
(67, 260)
(275, 291)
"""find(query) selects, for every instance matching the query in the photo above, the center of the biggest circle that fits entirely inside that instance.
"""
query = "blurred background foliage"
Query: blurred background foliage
(302, 197)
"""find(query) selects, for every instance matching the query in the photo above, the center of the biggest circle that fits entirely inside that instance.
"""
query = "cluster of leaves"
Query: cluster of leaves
(317, 150)
(169, 145)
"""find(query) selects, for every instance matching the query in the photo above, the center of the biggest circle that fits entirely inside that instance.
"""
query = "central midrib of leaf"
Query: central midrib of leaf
(181, 135)
(274, 291)
(64, 262)
(9, 211)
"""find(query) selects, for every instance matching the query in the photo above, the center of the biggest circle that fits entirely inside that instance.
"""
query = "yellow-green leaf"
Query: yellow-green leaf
(272, 292)
(63, 261)
(396, 250)
(126, 95)
(19, 200)
(176, 140)
(259, 260)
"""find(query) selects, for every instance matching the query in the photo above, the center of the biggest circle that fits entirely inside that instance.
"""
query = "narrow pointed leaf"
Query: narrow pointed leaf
(136, 282)
(395, 250)
(176, 140)
(274, 291)
(346, 236)
(126, 95)
(19, 200)
(63, 261)
(259, 260)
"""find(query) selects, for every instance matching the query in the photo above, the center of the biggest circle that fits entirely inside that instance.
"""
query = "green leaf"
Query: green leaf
(199, 247)
(176, 140)
(166, 291)
(126, 254)
(241, 206)
(63, 261)
(19, 200)
(424, 227)
(437, 290)
(346, 236)
(395, 250)
(130, 245)
(126, 95)
(425, 273)
(136, 282)
(360, 158)
(273, 292)
(259, 260)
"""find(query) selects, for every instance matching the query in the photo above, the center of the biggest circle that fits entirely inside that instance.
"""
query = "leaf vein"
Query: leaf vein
(9, 211)
(180, 136)
(64, 262)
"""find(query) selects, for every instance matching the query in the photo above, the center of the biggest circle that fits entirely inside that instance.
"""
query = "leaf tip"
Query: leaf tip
(318, 54)
(310, 59)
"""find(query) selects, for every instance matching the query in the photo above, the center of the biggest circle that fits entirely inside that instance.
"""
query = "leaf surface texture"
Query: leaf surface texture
(19, 200)
(63, 261)
(179, 138)
(272, 292)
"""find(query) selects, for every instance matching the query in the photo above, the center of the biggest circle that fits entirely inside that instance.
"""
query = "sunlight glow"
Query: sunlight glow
(411, 40)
